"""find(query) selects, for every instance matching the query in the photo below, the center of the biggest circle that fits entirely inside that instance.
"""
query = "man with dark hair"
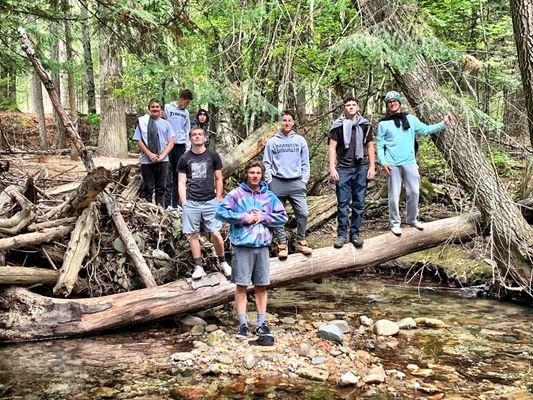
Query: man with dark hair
(287, 172)
(396, 153)
(155, 139)
(252, 209)
(201, 120)
(351, 159)
(200, 185)
(178, 117)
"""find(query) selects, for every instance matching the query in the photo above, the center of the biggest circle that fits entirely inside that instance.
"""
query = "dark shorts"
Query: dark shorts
(250, 266)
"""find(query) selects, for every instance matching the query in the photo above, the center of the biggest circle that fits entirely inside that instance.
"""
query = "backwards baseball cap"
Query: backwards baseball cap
(392, 95)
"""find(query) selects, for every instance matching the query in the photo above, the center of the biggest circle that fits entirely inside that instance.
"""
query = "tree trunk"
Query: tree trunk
(32, 316)
(38, 108)
(71, 89)
(522, 14)
(248, 149)
(88, 58)
(60, 139)
(512, 236)
(112, 139)
(27, 276)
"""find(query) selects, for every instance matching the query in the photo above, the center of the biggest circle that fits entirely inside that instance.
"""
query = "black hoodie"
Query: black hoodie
(204, 126)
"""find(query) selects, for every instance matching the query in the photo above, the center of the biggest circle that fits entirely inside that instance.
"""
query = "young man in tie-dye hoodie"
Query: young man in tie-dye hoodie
(251, 210)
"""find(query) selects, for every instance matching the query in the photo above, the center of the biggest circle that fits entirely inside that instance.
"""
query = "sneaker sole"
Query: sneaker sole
(237, 336)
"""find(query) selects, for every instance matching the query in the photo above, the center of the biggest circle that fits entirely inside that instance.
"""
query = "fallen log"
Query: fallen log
(321, 209)
(78, 248)
(32, 316)
(37, 226)
(27, 276)
(17, 222)
(248, 149)
(28, 239)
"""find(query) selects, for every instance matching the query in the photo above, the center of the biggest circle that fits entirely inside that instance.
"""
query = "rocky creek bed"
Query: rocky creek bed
(460, 348)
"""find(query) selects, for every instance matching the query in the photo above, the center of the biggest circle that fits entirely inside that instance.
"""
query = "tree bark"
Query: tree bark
(27, 276)
(33, 316)
(512, 236)
(112, 139)
(248, 149)
(27, 239)
(71, 85)
(522, 14)
(88, 58)
(38, 108)
(60, 136)
(78, 248)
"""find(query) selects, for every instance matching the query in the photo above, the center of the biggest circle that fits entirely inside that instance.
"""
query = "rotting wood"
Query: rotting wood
(78, 248)
(27, 239)
(27, 276)
(33, 316)
(37, 226)
(21, 219)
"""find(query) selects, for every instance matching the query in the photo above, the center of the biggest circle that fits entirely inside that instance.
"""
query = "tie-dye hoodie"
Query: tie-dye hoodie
(242, 201)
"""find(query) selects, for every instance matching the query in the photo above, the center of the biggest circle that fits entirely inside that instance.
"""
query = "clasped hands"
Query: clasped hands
(253, 217)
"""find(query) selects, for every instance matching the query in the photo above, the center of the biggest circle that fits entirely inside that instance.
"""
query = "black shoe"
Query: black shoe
(264, 340)
(242, 332)
(262, 330)
(357, 241)
(339, 242)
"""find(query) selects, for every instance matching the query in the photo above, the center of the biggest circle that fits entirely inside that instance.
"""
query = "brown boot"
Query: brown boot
(302, 247)
(283, 252)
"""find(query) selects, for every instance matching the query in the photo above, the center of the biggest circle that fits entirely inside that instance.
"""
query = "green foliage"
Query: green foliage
(502, 162)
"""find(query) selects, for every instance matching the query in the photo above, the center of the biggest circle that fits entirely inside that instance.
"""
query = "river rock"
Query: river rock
(395, 374)
(343, 325)
(224, 359)
(384, 327)
(407, 323)
(103, 392)
(288, 320)
(431, 322)
(318, 360)
(330, 332)
(118, 245)
(365, 321)
(375, 375)
(192, 320)
(187, 392)
(199, 345)
(315, 374)
(348, 379)
(249, 361)
(304, 349)
(197, 330)
(212, 370)
(424, 372)
(161, 259)
(216, 337)
(211, 328)
(181, 356)
(335, 353)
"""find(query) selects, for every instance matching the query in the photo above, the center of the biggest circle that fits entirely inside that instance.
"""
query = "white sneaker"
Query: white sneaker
(198, 272)
(396, 230)
(418, 225)
(226, 269)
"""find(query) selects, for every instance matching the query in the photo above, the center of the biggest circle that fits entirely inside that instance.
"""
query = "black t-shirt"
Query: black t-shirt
(346, 157)
(200, 170)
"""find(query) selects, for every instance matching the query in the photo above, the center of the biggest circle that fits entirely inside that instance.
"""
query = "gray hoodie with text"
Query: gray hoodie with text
(286, 157)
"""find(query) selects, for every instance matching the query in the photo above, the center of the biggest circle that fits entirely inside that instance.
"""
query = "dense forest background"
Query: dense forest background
(245, 61)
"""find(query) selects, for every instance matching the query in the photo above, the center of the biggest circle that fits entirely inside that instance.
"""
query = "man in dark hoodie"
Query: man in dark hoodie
(201, 120)
(352, 160)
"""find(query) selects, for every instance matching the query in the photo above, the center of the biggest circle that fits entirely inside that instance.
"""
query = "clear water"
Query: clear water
(486, 351)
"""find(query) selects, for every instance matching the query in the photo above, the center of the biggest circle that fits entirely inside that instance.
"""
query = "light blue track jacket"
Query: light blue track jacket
(396, 146)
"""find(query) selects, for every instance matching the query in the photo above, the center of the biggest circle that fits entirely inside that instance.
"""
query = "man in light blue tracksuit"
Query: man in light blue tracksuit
(178, 117)
(396, 153)
(287, 171)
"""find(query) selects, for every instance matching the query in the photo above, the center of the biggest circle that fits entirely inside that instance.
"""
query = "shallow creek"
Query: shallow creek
(485, 352)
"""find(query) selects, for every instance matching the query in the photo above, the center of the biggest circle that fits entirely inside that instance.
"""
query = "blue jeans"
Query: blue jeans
(351, 192)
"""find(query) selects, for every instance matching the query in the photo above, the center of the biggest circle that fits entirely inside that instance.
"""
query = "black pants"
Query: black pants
(154, 179)
(171, 192)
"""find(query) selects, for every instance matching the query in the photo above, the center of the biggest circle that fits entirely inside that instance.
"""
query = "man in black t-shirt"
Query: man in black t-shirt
(200, 186)
(352, 161)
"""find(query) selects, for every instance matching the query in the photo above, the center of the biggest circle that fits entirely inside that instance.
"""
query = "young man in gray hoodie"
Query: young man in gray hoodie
(287, 171)
(178, 117)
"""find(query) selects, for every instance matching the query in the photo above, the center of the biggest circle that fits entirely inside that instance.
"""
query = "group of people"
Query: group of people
(255, 210)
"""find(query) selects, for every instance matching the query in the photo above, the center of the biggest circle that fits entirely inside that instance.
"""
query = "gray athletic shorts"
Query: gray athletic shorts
(196, 211)
(250, 266)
